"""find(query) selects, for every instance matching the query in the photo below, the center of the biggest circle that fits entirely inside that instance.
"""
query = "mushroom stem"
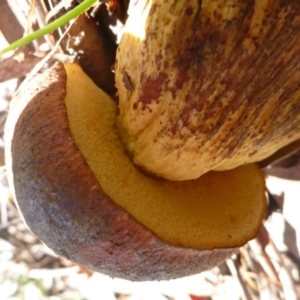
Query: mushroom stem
(208, 85)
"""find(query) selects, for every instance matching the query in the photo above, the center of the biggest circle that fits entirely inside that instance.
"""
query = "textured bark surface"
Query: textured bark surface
(64, 205)
(214, 84)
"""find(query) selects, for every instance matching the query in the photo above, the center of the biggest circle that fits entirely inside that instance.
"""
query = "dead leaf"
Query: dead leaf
(95, 51)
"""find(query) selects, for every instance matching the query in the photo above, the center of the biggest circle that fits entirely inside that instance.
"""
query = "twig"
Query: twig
(39, 66)
(234, 270)
(55, 10)
(284, 275)
(41, 263)
(11, 223)
(13, 67)
(10, 25)
(264, 260)
(30, 17)
(51, 27)
(54, 273)
(272, 263)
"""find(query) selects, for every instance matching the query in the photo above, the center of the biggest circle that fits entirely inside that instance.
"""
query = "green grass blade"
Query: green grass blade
(50, 27)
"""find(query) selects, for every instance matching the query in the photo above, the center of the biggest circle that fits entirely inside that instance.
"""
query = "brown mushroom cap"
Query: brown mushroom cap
(64, 204)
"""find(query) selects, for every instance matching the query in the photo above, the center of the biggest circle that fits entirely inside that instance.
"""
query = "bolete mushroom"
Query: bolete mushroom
(81, 194)
(164, 184)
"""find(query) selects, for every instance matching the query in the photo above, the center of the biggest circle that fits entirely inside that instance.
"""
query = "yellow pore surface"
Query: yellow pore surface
(220, 209)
